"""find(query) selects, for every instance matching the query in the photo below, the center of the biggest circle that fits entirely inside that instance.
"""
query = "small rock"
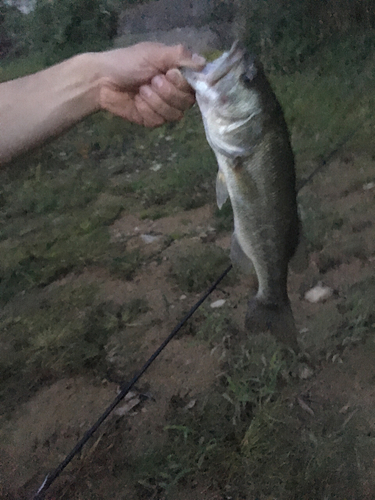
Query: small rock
(337, 359)
(149, 238)
(369, 186)
(183, 297)
(218, 303)
(156, 167)
(129, 405)
(305, 372)
(190, 405)
(318, 294)
(344, 409)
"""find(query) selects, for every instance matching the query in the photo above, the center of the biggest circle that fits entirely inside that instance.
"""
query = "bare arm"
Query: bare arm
(139, 83)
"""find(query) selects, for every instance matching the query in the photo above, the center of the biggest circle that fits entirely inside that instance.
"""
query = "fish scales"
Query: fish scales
(246, 129)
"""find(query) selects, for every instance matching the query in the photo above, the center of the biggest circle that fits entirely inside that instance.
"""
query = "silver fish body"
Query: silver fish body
(245, 127)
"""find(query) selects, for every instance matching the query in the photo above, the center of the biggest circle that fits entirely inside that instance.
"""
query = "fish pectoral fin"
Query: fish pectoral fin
(221, 189)
(239, 258)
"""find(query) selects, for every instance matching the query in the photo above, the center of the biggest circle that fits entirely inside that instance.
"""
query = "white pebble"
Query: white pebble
(183, 297)
(369, 186)
(305, 372)
(218, 303)
(190, 405)
(149, 238)
(318, 294)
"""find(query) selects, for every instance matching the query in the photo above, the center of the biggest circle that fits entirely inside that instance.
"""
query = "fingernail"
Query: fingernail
(157, 81)
(145, 90)
(196, 58)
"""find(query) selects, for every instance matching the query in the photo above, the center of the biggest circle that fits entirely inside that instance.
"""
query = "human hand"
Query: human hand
(142, 83)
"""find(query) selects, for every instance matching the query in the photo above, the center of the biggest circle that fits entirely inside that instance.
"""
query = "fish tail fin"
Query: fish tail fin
(276, 318)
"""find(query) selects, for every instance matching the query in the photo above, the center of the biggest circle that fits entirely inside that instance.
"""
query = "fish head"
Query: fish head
(225, 84)
(228, 99)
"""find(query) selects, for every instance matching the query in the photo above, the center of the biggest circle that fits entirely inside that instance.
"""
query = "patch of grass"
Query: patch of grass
(21, 67)
(358, 310)
(204, 441)
(56, 336)
(213, 326)
(187, 183)
(324, 101)
(194, 270)
(52, 222)
(125, 264)
(46, 337)
(287, 459)
(279, 453)
(154, 213)
(41, 258)
(133, 309)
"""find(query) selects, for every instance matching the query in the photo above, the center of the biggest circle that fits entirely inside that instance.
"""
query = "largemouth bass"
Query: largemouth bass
(245, 127)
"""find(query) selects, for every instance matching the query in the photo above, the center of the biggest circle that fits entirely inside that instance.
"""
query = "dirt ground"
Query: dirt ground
(334, 388)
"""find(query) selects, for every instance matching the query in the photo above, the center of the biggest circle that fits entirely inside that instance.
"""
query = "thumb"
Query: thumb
(179, 56)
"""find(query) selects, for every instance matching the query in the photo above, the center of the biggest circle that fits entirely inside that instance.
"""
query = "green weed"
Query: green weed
(125, 265)
(213, 326)
(63, 334)
(358, 311)
(59, 335)
(287, 458)
(325, 103)
(21, 67)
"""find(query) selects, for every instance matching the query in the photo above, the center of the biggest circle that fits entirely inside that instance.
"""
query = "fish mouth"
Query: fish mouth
(230, 60)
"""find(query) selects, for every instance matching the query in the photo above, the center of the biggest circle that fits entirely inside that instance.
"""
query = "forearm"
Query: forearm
(40, 106)
(140, 83)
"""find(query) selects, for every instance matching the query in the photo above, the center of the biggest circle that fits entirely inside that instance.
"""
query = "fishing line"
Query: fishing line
(50, 478)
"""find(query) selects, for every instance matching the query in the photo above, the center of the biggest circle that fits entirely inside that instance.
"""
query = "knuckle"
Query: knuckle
(174, 77)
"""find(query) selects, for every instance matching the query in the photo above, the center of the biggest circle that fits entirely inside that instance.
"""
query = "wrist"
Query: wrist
(106, 78)
(91, 73)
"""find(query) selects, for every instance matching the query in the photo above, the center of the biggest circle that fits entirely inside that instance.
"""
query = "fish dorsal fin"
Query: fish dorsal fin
(221, 189)
(239, 258)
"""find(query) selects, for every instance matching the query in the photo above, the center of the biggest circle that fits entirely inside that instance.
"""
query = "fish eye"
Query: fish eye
(245, 79)
(249, 75)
